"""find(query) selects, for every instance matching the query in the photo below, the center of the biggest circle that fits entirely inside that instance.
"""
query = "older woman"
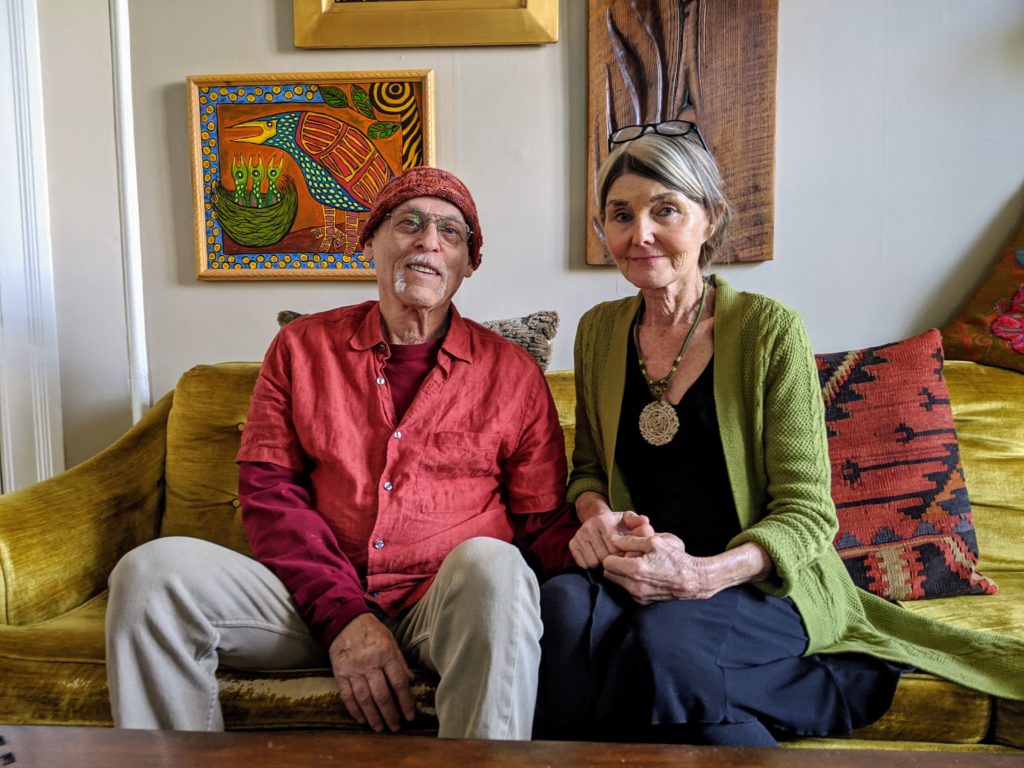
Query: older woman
(710, 605)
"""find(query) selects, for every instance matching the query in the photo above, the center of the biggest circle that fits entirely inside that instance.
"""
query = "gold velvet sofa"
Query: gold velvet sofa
(173, 474)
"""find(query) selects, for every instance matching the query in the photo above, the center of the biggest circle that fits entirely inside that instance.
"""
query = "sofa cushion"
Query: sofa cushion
(1009, 723)
(306, 698)
(905, 526)
(563, 391)
(927, 708)
(990, 327)
(54, 671)
(204, 430)
(1002, 613)
(989, 424)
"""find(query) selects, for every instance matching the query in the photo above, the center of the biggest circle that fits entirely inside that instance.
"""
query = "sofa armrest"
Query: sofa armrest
(59, 539)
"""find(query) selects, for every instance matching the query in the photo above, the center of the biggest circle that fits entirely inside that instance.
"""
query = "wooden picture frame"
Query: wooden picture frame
(285, 167)
(417, 23)
(711, 62)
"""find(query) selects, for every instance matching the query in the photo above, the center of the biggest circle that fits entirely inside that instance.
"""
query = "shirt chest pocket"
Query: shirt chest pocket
(460, 454)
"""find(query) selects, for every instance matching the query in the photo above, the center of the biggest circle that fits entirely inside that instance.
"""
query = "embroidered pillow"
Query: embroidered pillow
(534, 332)
(989, 329)
(905, 525)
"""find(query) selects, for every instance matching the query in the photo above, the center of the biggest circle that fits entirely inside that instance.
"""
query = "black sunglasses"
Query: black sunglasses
(667, 128)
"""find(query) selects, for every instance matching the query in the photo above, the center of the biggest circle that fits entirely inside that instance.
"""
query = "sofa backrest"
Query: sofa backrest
(211, 403)
(204, 430)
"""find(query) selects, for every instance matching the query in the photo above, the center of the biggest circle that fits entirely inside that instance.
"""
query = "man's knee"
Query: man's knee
(490, 577)
(147, 565)
(492, 565)
(155, 569)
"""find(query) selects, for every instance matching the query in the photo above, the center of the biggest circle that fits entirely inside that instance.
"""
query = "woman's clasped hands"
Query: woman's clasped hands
(650, 566)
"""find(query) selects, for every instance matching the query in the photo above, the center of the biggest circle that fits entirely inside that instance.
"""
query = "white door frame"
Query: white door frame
(128, 193)
(31, 434)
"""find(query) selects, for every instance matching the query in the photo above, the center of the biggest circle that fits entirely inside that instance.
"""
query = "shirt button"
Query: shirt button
(381, 347)
(378, 544)
(375, 595)
(398, 434)
(380, 381)
(388, 485)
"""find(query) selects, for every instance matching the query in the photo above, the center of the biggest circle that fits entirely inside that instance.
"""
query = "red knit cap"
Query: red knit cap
(422, 181)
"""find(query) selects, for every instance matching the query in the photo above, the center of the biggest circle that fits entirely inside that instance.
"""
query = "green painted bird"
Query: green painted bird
(256, 173)
(273, 195)
(342, 168)
(240, 176)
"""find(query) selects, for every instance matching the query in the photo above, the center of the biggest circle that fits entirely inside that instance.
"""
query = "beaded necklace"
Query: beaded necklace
(659, 422)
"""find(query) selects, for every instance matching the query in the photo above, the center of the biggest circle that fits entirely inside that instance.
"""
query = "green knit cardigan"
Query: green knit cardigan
(772, 426)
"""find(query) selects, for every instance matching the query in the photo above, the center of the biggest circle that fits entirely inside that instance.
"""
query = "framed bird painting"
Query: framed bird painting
(285, 167)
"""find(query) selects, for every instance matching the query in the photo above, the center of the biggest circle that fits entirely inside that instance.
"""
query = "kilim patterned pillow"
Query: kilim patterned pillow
(989, 329)
(905, 525)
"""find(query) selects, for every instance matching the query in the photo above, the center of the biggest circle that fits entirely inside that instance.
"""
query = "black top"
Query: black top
(683, 486)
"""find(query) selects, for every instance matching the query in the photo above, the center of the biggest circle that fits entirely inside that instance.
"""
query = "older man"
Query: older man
(392, 454)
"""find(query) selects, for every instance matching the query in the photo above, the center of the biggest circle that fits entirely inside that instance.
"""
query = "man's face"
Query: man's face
(420, 270)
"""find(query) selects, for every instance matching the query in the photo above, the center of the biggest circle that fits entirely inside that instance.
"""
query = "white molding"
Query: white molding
(31, 434)
(128, 189)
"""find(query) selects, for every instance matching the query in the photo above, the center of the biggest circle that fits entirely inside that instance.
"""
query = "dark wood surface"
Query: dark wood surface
(50, 747)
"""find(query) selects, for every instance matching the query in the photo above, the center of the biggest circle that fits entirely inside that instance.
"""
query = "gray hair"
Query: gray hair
(678, 163)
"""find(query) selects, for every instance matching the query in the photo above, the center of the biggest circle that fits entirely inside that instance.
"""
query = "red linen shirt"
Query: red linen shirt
(385, 502)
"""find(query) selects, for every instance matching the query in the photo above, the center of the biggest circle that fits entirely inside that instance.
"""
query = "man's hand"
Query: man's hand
(601, 527)
(372, 674)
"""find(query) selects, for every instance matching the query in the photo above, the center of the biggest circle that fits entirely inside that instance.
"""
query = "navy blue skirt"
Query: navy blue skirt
(728, 670)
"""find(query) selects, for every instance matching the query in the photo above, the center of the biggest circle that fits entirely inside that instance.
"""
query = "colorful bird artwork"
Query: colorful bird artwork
(342, 168)
(250, 216)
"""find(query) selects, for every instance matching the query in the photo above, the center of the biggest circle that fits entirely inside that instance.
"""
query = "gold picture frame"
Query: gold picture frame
(285, 167)
(423, 23)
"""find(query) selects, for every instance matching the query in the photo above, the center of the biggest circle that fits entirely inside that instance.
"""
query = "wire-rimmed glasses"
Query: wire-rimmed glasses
(409, 221)
(666, 128)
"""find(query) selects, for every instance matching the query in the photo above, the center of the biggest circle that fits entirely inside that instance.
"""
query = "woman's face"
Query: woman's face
(654, 232)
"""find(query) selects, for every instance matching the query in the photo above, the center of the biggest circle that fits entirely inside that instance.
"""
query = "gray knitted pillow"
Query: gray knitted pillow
(534, 332)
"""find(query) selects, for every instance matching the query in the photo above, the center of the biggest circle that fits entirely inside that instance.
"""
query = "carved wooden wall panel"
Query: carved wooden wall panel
(708, 61)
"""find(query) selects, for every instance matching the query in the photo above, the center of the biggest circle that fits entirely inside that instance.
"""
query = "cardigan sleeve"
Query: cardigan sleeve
(588, 471)
(799, 522)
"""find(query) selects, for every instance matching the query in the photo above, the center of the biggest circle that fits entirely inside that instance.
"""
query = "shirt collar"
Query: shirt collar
(456, 344)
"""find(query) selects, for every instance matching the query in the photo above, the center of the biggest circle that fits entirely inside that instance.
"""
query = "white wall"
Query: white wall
(899, 176)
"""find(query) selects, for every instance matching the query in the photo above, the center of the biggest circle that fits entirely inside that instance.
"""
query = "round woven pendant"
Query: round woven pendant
(658, 423)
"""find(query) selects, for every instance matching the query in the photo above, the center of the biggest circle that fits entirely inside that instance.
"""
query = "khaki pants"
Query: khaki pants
(181, 607)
